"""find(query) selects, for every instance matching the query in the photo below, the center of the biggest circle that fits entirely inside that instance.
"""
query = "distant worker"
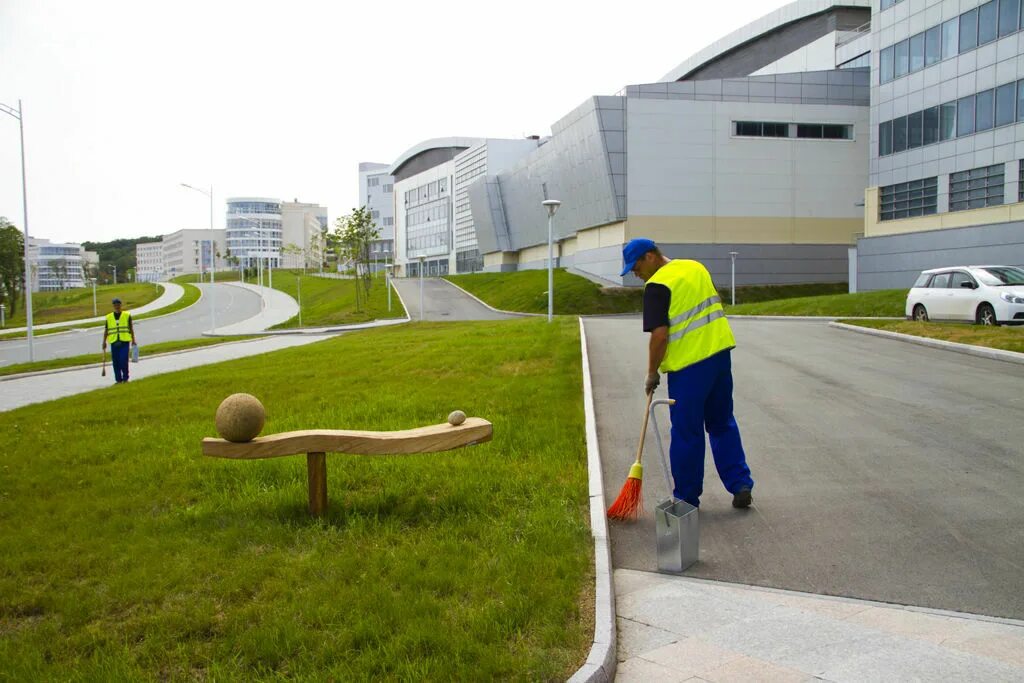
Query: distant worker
(691, 341)
(119, 333)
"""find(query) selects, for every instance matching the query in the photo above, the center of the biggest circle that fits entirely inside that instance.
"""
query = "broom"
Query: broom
(627, 505)
(103, 372)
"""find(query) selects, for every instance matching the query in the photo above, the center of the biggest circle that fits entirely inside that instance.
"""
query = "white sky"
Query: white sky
(125, 100)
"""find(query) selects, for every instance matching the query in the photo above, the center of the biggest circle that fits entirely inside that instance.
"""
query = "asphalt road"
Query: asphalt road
(442, 301)
(233, 304)
(884, 470)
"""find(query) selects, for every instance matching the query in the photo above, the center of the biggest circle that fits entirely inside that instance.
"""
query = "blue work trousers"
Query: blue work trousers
(119, 359)
(703, 394)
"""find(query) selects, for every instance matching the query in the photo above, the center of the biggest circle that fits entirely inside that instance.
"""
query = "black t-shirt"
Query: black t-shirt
(656, 301)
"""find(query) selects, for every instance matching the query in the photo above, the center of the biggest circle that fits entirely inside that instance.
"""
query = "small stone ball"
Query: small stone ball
(456, 418)
(240, 418)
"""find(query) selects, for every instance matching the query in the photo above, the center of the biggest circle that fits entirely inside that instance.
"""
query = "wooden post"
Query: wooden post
(316, 464)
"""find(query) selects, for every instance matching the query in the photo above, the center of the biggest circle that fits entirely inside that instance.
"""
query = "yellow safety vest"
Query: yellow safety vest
(697, 328)
(117, 329)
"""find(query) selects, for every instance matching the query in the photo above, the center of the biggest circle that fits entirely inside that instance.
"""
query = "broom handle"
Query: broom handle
(643, 430)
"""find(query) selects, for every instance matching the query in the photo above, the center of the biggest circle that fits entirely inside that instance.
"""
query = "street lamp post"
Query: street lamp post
(422, 259)
(94, 313)
(19, 114)
(387, 276)
(2, 323)
(210, 195)
(552, 206)
(732, 286)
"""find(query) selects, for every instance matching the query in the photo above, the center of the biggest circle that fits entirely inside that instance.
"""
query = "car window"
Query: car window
(1001, 276)
(959, 278)
(940, 281)
(922, 280)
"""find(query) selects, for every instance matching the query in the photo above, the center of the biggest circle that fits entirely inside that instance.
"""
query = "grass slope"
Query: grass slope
(75, 304)
(1006, 338)
(883, 303)
(88, 359)
(526, 291)
(329, 301)
(126, 555)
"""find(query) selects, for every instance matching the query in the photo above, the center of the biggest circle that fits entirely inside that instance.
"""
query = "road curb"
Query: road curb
(487, 305)
(806, 318)
(979, 351)
(601, 662)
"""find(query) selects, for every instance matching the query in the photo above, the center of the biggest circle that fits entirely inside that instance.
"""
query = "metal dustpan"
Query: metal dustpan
(676, 522)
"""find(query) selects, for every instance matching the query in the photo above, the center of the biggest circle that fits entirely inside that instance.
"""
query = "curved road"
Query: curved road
(233, 305)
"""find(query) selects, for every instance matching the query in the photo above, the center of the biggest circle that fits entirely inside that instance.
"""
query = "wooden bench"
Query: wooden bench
(317, 443)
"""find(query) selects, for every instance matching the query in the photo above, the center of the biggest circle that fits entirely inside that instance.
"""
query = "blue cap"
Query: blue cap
(634, 251)
(116, 301)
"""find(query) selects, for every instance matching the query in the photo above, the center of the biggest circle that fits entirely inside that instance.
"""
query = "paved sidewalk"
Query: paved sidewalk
(442, 301)
(172, 292)
(15, 393)
(679, 629)
(277, 308)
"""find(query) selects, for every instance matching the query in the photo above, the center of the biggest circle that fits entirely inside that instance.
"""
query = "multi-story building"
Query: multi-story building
(303, 229)
(55, 266)
(254, 231)
(947, 139)
(377, 194)
(193, 251)
(149, 261)
(433, 219)
(757, 144)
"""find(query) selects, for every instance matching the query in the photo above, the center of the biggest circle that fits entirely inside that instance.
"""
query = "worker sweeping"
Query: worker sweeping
(691, 342)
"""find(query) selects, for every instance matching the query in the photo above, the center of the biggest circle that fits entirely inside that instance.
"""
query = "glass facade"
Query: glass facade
(428, 219)
(905, 200)
(251, 235)
(469, 261)
(976, 188)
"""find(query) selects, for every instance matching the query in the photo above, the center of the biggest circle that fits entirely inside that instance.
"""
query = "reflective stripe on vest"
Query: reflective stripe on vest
(697, 325)
(118, 329)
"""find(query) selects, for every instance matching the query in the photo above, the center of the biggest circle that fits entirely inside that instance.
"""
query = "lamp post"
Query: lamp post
(19, 114)
(210, 195)
(422, 259)
(552, 206)
(387, 276)
(94, 313)
(2, 322)
(732, 287)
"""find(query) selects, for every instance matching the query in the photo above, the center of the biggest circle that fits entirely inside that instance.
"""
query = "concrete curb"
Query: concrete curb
(979, 351)
(601, 663)
(487, 305)
(806, 318)
(86, 366)
(387, 322)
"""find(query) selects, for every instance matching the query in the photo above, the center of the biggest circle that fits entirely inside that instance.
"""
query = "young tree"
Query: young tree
(12, 265)
(352, 237)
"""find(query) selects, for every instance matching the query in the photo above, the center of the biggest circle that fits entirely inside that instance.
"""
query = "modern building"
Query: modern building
(434, 224)
(193, 251)
(947, 139)
(254, 231)
(55, 266)
(149, 261)
(377, 194)
(303, 230)
(757, 144)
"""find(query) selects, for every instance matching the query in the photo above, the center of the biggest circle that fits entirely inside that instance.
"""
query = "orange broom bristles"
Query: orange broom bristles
(627, 505)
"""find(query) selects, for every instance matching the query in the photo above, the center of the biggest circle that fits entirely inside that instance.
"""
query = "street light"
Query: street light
(552, 206)
(210, 195)
(213, 314)
(19, 114)
(94, 313)
(732, 289)
(422, 259)
(387, 276)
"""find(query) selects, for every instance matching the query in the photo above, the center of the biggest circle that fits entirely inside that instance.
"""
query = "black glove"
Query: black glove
(652, 382)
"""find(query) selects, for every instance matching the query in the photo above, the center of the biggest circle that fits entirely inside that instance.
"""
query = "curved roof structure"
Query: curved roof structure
(429, 153)
(780, 32)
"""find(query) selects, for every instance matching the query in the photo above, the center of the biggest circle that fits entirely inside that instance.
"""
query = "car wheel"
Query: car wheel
(920, 314)
(986, 315)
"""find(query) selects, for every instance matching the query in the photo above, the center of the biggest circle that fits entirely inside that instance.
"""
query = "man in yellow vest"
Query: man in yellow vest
(691, 341)
(119, 332)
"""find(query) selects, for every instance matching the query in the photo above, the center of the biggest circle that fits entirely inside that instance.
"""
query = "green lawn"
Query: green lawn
(126, 555)
(328, 301)
(525, 291)
(190, 296)
(75, 304)
(219, 276)
(883, 303)
(144, 351)
(1003, 337)
(752, 294)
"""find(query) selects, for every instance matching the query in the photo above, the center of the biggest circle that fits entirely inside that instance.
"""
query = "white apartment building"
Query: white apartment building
(377, 194)
(149, 261)
(55, 266)
(193, 251)
(303, 226)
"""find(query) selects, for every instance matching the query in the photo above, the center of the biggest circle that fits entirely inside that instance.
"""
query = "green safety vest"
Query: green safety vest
(117, 329)
(697, 328)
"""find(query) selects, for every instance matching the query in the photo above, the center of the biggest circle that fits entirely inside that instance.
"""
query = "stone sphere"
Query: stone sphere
(240, 417)
(456, 418)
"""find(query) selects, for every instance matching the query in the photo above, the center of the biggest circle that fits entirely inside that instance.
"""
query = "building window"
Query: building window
(1009, 16)
(915, 130)
(899, 134)
(951, 38)
(947, 121)
(965, 116)
(969, 30)
(885, 65)
(984, 110)
(906, 200)
(988, 25)
(762, 129)
(917, 52)
(1020, 181)
(389, 188)
(885, 139)
(977, 188)
(1006, 101)
(902, 57)
(931, 125)
(932, 45)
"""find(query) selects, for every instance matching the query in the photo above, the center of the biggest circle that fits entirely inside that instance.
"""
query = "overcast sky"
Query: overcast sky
(126, 100)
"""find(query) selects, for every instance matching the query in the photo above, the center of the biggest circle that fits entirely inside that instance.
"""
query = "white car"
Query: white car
(986, 295)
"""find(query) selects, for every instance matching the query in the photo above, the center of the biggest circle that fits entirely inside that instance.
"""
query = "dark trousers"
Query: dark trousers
(703, 394)
(119, 359)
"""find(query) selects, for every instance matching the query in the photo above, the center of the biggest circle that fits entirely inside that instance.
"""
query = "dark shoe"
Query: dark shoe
(742, 499)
